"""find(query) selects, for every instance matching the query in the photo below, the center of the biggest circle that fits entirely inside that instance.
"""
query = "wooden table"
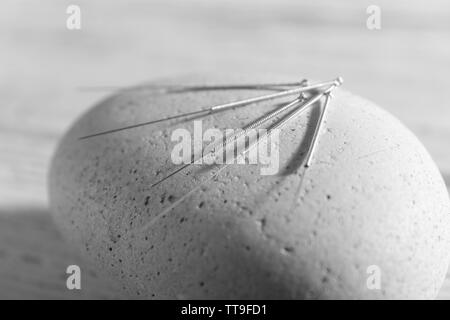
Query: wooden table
(45, 70)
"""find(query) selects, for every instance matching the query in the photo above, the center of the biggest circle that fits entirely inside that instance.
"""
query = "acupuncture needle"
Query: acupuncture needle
(177, 88)
(244, 130)
(314, 141)
(317, 130)
(220, 107)
(302, 108)
(319, 125)
(261, 86)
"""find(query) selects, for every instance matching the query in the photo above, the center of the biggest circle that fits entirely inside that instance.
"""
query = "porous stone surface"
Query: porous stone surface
(373, 198)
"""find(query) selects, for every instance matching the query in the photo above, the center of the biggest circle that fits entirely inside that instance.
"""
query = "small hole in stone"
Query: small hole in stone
(288, 249)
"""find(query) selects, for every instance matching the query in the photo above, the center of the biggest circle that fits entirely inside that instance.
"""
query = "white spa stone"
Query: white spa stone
(371, 221)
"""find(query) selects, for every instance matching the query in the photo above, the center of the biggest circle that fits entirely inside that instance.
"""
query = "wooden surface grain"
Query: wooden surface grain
(50, 75)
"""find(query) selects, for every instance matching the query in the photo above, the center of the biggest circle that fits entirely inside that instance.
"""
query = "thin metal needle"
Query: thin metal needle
(314, 141)
(180, 88)
(279, 125)
(272, 96)
(145, 123)
(319, 126)
(261, 86)
(316, 133)
(216, 108)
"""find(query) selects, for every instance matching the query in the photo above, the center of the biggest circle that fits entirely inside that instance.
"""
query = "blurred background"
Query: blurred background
(50, 75)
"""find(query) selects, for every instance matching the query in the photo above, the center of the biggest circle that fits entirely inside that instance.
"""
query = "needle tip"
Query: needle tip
(339, 81)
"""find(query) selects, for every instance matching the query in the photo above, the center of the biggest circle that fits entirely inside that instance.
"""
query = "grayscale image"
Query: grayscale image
(224, 150)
